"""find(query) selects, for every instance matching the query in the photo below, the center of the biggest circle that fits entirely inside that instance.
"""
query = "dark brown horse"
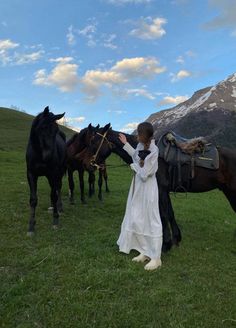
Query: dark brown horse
(75, 162)
(204, 179)
(45, 156)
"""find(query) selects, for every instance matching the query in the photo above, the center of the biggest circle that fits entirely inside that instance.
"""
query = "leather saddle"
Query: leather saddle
(178, 151)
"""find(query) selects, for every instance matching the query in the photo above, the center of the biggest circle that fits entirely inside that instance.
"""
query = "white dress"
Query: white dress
(141, 227)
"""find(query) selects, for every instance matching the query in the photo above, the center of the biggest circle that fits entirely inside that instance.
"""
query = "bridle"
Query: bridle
(93, 159)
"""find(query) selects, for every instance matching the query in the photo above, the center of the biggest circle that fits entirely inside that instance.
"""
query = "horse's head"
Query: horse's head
(44, 129)
(100, 147)
(87, 135)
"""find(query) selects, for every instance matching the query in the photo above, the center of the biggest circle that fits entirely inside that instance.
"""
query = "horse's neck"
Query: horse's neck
(34, 140)
(118, 149)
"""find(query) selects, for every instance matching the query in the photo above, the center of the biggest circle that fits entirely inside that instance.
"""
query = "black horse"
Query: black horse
(46, 156)
(224, 178)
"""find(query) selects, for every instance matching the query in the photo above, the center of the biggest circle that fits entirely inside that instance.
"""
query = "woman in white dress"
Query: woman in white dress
(141, 228)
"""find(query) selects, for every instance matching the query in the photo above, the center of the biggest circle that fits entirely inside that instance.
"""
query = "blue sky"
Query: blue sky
(112, 61)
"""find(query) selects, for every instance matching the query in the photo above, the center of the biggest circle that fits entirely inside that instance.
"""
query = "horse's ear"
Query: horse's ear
(58, 116)
(90, 126)
(46, 110)
(106, 127)
(98, 126)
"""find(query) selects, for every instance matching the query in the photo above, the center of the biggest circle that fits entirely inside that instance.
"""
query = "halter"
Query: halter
(93, 160)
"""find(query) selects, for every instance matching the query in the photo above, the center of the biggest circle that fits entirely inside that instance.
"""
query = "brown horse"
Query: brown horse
(75, 162)
(204, 179)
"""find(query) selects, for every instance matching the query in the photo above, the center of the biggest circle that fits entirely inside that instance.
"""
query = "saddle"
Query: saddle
(181, 153)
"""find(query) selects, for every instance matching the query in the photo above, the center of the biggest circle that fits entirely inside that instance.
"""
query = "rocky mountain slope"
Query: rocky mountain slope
(210, 112)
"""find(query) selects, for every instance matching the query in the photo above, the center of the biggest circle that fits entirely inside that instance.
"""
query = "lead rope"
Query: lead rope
(95, 156)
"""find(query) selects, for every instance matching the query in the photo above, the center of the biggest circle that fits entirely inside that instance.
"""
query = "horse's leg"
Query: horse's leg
(59, 202)
(106, 178)
(81, 182)
(54, 199)
(176, 233)
(164, 212)
(231, 196)
(100, 184)
(71, 186)
(91, 180)
(32, 180)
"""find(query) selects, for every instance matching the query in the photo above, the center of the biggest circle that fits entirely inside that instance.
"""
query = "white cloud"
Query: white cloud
(5, 47)
(118, 112)
(226, 17)
(149, 28)
(129, 127)
(8, 57)
(180, 60)
(140, 92)
(172, 100)
(61, 60)
(63, 76)
(124, 2)
(121, 73)
(89, 33)
(190, 53)
(70, 120)
(88, 30)
(21, 59)
(109, 41)
(70, 36)
(8, 44)
(182, 74)
(138, 67)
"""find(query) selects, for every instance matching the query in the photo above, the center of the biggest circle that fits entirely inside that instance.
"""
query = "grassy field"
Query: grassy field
(75, 276)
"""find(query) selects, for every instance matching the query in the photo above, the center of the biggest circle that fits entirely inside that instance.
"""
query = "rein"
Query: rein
(93, 160)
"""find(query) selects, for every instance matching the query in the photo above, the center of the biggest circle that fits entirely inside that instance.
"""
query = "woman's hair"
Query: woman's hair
(146, 130)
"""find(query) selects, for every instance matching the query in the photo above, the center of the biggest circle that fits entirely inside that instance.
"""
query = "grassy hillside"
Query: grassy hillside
(15, 127)
(75, 276)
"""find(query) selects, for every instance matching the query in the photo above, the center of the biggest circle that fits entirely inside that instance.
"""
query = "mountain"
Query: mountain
(210, 112)
(15, 127)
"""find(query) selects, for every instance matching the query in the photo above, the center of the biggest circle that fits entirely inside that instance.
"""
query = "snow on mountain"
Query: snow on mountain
(210, 112)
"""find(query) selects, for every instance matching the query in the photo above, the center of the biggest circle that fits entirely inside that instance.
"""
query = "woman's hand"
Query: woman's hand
(122, 138)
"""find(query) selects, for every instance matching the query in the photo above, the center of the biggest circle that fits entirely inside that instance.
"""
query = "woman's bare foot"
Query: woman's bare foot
(140, 258)
(153, 264)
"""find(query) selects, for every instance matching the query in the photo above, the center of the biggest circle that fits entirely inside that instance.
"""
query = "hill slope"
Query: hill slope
(15, 127)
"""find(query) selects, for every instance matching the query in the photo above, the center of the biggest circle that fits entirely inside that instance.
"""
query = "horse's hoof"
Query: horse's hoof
(107, 190)
(30, 234)
(100, 197)
(166, 246)
(50, 209)
(55, 226)
(175, 242)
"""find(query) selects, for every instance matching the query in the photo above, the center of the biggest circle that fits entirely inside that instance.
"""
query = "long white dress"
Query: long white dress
(141, 228)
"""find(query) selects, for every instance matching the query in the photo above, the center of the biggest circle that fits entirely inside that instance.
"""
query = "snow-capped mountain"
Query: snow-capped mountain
(210, 112)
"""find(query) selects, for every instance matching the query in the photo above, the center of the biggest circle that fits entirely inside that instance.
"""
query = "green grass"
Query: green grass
(15, 127)
(75, 277)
